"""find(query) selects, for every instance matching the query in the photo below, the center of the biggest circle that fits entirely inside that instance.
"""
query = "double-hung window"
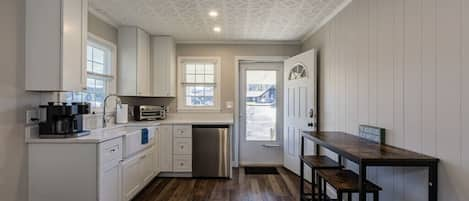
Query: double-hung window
(100, 68)
(199, 84)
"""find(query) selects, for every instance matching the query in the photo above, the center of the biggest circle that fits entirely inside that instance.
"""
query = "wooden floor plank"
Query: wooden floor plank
(281, 187)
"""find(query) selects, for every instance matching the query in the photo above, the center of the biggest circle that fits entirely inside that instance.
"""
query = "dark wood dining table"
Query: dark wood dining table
(367, 153)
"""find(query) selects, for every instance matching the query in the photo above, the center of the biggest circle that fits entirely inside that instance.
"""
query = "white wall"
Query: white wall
(13, 102)
(402, 65)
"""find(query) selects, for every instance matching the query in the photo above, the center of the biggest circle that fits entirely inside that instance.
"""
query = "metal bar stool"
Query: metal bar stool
(346, 181)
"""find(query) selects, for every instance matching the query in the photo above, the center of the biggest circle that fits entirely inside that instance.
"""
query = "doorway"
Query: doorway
(261, 113)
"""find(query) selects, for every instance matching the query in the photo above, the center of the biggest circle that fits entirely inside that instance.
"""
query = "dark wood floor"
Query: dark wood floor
(281, 187)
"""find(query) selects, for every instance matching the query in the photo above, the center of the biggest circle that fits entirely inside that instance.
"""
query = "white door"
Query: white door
(261, 111)
(300, 105)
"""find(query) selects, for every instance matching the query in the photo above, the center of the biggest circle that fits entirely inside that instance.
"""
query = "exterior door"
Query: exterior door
(261, 111)
(300, 105)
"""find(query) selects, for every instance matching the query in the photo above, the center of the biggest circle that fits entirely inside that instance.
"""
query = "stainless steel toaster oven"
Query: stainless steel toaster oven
(149, 112)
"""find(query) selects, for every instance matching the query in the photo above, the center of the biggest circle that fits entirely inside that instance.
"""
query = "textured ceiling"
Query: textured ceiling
(283, 20)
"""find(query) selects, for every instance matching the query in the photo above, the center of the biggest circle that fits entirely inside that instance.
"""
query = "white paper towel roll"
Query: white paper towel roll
(122, 114)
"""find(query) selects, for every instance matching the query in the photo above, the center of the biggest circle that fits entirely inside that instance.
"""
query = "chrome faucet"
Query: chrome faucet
(118, 103)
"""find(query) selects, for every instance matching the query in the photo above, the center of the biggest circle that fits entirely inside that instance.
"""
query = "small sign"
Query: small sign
(372, 133)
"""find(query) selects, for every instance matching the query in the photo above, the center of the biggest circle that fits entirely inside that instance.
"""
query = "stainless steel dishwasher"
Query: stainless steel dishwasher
(211, 151)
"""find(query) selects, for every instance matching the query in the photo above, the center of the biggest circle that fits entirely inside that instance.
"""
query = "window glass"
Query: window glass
(99, 76)
(199, 84)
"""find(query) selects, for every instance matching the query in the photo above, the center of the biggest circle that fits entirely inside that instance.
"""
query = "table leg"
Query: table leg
(302, 184)
(361, 182)
(313, 179)
(318, 150)
(433, 182)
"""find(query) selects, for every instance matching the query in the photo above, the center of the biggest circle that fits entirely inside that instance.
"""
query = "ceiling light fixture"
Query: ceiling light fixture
(217, 29)
(213, 13)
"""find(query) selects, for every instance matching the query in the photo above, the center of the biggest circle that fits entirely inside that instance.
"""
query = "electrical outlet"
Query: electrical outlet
(32, 116)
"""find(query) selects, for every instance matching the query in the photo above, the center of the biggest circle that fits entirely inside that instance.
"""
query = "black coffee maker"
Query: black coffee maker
(62, 120)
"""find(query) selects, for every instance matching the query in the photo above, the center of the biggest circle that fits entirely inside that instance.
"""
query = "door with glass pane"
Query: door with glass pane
(261, 113)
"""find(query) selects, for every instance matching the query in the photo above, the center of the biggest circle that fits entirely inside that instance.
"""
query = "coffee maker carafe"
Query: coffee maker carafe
(62, 120)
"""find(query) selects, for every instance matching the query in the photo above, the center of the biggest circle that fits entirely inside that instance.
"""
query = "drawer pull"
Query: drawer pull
(181, 164)
(182, 146)
(113, 150)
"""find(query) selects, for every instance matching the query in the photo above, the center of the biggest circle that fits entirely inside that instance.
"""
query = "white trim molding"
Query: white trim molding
(99, 14)
(180, 78)
(236, 108)
(240, 42)
(326, 20)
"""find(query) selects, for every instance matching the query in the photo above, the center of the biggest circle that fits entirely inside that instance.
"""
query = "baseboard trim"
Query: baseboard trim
(175, 174)
(257, 164)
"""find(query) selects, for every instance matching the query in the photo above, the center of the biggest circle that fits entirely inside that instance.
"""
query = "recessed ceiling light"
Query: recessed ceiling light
(217, 29)
(213, 13)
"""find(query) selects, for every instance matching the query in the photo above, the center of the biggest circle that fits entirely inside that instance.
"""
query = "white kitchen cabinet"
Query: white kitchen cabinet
(156, 152)
(163, 65)
(137, 172)
(110, 189)
(133, 62)
(56, 36)
(110, 158)
(148, 166)
(165, 148)
(77, 172)
(132, 177)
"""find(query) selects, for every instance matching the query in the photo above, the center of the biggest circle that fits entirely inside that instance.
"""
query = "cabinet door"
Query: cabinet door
(166, 148)
(148, 166)
(110, 184)
(132, 177)
(156, 152)
(163, 65)
(72, 44)
(143, 63)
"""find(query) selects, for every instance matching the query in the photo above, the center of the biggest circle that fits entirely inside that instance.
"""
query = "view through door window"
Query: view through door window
(261, 105)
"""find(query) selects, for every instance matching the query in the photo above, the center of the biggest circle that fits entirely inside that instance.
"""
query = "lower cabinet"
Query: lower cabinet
(165, 151)
(110, 189)
(137, 171)
(175, 148)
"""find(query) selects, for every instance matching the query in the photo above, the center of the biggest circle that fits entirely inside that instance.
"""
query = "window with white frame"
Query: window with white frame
(199, 83)
(100, 74)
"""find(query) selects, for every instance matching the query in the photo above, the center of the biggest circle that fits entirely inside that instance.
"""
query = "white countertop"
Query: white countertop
(200, 118)
(118, 130)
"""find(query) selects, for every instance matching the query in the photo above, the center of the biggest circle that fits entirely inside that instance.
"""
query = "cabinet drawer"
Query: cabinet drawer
(182, 163)
(111, 150)
(183, 131)
(182, 146)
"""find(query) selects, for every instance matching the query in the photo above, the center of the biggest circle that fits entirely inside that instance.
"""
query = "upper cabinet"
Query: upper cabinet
(133, 62)
(56, 34)
(163, 63)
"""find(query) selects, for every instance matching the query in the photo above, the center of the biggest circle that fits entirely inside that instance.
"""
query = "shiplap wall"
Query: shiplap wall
(402, 65)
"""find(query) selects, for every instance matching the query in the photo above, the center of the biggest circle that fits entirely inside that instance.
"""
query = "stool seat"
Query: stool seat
(345, 180)
(320, 162)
